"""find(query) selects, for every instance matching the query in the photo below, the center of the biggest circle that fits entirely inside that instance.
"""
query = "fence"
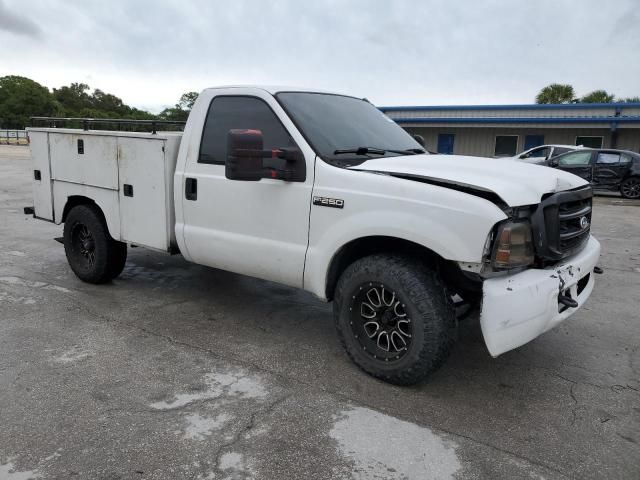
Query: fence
(13, 137)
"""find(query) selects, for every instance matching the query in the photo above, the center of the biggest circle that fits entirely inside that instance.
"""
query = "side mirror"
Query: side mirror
(553, 162)
(419, 139)
(244, 155)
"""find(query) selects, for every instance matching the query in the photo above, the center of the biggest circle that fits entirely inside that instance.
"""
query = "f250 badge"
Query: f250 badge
(328, 202)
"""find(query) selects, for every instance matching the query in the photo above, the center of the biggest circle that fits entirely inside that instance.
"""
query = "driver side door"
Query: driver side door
(257, 228)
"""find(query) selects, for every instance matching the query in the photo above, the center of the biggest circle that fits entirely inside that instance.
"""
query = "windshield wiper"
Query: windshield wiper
(377, 151)
(360, 151)
(412, 151)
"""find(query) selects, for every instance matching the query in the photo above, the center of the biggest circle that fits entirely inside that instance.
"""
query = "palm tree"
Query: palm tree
(556, 93)
(597, 96)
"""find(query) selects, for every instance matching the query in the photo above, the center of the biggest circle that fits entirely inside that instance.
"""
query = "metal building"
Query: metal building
(504, 130)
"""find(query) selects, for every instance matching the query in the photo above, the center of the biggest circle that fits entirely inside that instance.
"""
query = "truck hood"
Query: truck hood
(516, 183)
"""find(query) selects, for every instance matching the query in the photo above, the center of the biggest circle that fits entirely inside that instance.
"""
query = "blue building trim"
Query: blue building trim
(605, 120)
(533, 106)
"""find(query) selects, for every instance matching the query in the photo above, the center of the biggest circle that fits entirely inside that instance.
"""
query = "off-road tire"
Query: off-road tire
(426, 302)
(119, 259)
(108, 255)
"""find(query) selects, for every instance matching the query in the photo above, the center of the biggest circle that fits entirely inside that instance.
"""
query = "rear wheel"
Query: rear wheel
(92, 254)
(630, 188)
(394, 318)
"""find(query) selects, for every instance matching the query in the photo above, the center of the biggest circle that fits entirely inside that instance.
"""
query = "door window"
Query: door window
(541, 152)
(229, 112)
(506, 145)
(575, 158)
(608, 158)
(560, 150)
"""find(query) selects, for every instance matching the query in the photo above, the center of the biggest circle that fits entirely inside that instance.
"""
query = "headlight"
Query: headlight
(513, 246)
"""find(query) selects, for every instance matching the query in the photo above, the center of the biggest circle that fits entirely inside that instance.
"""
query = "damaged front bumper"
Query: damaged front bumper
(519, 307)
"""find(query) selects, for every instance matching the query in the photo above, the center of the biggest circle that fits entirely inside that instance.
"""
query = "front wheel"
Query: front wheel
(630, 188)
(93, 255)
(394, 318)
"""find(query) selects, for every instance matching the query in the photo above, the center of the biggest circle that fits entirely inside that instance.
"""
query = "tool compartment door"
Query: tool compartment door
(42, 197)
(85, 159)
(143, 192)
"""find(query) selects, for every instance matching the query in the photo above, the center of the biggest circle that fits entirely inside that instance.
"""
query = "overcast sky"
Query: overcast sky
(392, 52)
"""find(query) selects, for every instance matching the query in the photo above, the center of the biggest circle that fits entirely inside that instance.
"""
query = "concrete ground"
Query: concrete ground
(178, 371)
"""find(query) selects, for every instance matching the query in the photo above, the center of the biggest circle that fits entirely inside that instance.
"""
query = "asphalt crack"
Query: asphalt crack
(254, 419)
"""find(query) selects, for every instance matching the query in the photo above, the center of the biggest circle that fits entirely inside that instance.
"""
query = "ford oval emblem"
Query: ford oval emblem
(584, 222)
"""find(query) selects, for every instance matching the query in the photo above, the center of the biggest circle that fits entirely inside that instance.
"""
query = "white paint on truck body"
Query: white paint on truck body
(253, 228)
(518, 308)
(106, 161)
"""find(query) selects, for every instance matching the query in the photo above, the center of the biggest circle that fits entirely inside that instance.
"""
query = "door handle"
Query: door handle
(191, 189)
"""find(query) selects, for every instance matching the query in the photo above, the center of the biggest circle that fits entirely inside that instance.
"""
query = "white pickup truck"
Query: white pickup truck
(323, 192)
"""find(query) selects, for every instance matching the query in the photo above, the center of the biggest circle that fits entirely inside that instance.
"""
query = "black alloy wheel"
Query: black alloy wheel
(380, 322)
(630, 188)
(84, 245)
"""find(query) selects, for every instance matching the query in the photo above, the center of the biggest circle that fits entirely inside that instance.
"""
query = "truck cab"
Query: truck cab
(323, 192)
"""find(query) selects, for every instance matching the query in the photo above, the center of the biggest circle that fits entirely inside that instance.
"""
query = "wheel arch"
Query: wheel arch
(369, 245)
(76, 200)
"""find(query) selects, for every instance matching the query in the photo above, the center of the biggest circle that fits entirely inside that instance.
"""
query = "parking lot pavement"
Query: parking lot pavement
(179, 371)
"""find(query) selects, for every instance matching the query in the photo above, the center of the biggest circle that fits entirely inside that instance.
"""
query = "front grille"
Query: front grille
(562, 223)
(570, 216)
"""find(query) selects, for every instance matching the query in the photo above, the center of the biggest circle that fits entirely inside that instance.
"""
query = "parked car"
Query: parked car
(323, 192)
(541, 154)
(605, 169)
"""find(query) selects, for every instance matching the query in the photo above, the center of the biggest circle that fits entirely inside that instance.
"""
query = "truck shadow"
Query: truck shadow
(282, 330)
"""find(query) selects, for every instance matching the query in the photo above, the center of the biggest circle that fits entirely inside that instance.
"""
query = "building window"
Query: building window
(506, 145)
(531, 141)
(589, 142)
(445, 143)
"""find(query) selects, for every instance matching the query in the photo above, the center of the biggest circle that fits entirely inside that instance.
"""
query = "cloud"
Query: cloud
(149, 52)
(12, 20)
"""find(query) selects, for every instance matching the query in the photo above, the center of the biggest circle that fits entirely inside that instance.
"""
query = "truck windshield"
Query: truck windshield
(346, 130)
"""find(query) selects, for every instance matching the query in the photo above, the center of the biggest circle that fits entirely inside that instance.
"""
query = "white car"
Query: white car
(540, 154)
(325, 193)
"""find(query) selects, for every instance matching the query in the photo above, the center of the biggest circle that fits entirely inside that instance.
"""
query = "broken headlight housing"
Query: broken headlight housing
(513, 245)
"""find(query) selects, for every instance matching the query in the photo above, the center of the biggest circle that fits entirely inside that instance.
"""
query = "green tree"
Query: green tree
(21, 98)
(187, 100)
(629, 100)
(73, 98)
(76, 101)
(556, 93)
(107, 102)
(598, 96)
(180, 111)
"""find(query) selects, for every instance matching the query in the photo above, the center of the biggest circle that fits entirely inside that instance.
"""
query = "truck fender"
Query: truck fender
(67, 196)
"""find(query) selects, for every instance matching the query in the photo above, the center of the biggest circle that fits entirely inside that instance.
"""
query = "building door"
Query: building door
(531, 141)
(445, 143)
